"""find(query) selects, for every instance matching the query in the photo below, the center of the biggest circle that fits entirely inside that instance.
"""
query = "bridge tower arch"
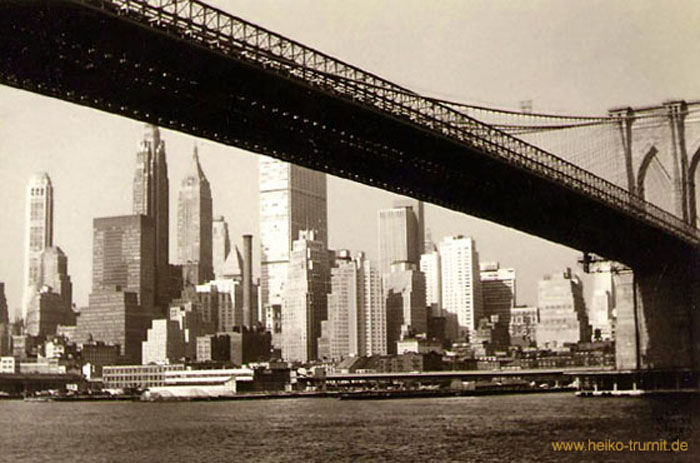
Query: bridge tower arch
(692, 189)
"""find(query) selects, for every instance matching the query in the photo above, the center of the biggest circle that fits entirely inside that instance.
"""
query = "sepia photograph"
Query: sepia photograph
(349, 231)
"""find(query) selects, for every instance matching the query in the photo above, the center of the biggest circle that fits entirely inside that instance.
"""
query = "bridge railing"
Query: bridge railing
(195, 21)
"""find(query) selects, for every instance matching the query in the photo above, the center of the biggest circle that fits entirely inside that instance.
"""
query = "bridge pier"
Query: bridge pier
(658, 321)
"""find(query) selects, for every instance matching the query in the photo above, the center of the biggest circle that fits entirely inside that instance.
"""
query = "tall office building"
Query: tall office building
(404, 289)
(430, 266)
(194, 225)
(400, 236)
(4, 323)
(151, 198)
(374, 308)
(344, 327)
(292, 198)
(51, 303)
(304, 300)
(461, 285)
(356, 323)
(121, 304)
(221, 245)
(123, 256)
(602, 311)
(39, 219)
(498, 291)
(562, 310)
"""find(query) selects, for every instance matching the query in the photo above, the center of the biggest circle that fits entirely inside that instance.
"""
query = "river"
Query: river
(517, 428)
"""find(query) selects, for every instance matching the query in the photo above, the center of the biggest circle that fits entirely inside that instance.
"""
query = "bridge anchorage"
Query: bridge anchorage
(263, 92)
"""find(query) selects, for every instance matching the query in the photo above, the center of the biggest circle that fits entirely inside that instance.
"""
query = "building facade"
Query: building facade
(50, 304)
(194, 225)
(39, 233)
(404, 290)
(151, 193)
(400, 239)
(602, 313)
(124, 257)
(292, 198)
(461, 285)
(304, 301)
(430, 266)
(498, 292)
(562, 310)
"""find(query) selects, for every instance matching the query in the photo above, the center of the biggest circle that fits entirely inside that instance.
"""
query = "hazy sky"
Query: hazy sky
(574, 57)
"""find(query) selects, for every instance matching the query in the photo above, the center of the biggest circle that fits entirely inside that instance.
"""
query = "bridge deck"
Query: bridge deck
(192, 68)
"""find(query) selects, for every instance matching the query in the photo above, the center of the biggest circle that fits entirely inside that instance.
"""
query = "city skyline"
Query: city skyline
(109, 147)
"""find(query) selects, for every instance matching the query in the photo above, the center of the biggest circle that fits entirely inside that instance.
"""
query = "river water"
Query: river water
(518, 428)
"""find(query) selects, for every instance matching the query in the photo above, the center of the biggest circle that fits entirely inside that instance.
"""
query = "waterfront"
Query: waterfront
(483, 429)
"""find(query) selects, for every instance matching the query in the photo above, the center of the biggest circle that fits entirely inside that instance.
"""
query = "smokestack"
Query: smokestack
(249, 312)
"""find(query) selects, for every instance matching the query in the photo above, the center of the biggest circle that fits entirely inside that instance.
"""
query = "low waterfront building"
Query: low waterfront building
(8, 365)
(136, 376)
(185, 384)
(418, 346)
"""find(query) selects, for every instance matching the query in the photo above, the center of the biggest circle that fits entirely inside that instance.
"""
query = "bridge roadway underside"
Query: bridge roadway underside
(92, 58)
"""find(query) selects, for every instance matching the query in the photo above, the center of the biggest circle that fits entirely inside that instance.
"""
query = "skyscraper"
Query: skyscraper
(221, 245)
(346, 320)
(39, 217)
(121, 305)
(304, 300)
(562, 311)
(498, 290)
(430, 266)
(51, 303)
(194, 225)
(123, 257)
(400, 238)
(151, 198)
(374, 308)
(461, 286)
(292, 198)
(404, 289)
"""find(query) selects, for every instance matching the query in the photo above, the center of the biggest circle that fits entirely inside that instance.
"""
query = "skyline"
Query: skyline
(69, 133)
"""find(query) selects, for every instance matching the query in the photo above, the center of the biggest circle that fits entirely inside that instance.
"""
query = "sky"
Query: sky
(574, 57)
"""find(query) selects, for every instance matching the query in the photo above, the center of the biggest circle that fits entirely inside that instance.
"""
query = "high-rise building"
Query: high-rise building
(430, 266)
(4, 323)
(404, 289)
(346, 319)
(400, 238)
(194, 225)
(164, 343)
(39, 219)
(356, 324)
(461, 285)
(602, 311)
(123, 257)
(151, 198)
(304, 301)
(498, 292)
(121, 304)
(221, 245)
(50, 304)
(523, 326)
(562, 310)
(374, 308)
(292, 198)
(115, 318)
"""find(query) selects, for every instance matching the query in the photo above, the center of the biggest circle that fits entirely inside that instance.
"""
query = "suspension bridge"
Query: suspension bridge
(619, 185)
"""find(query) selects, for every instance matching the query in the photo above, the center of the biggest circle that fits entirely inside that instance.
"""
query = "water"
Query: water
(471, 429)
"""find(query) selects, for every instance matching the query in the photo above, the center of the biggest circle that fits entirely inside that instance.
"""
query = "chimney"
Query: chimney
(249, 312)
